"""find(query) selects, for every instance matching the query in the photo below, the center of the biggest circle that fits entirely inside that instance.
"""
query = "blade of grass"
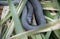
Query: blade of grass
(40, 29)
(57, 33)
(48, 18)
(8, 31)
(3, 30)
(43, 36)
(8, 15)
(16, 20)
(19, 10)
(56, 5)
(47, 35)
(38, 36)
(17, 24)
(33, 36)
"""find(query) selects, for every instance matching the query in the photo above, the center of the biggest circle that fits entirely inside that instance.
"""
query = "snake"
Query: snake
(38, 12)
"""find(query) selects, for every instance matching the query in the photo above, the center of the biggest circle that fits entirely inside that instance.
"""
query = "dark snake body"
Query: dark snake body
(40, 19)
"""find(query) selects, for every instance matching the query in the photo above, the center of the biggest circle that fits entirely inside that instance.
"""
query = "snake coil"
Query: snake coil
(38, 12)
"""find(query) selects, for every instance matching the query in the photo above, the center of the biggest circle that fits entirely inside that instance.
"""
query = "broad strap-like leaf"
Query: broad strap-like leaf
(17, 24)
(39, 30)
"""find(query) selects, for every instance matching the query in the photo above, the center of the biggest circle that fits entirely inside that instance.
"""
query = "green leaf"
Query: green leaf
(8, 31)
(19, 10)
(57, 33)
(17, 24)
(48, 34)
(39, 30)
